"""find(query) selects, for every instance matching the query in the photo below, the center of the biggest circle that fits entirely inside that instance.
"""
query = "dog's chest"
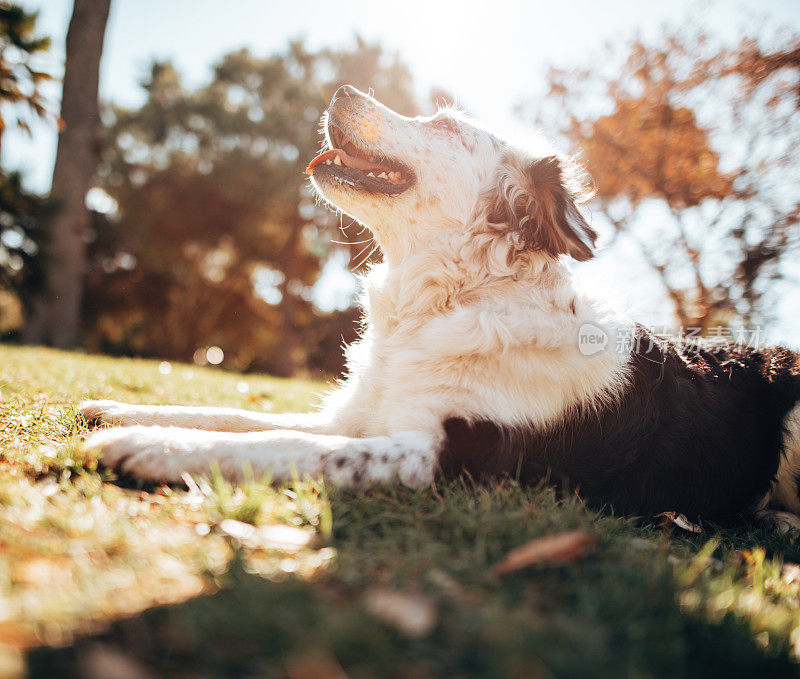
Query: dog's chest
(514, 361)
(396, 384)
(415, 379)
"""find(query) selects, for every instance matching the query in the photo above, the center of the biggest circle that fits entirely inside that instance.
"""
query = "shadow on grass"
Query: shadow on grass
(614, 614)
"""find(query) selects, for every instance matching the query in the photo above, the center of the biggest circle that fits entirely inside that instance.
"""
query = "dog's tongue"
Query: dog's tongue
(350, 161)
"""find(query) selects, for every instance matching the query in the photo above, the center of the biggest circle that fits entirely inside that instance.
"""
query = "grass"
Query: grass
(99, 579)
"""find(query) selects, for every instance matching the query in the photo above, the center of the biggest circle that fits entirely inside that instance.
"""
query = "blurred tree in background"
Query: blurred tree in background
(21, 98)
(215, 237)
(204, 231)
(20, 79)
(693, 150)
(56, 311)
(755, 65)
(21, 217)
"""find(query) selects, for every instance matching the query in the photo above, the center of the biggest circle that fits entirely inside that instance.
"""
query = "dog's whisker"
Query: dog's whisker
(369, 254)
(356, 259)
(361, 252)
(357, 242)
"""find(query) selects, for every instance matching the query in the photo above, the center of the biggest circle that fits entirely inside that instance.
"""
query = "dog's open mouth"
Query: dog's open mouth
(349, 165)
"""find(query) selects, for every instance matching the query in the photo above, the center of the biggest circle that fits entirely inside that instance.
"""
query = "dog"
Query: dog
(480, 355)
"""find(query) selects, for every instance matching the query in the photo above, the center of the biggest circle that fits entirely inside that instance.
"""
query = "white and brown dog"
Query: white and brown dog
(474, 353)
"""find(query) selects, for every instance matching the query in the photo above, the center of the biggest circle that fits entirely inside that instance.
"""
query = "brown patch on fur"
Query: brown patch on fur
(536, 201)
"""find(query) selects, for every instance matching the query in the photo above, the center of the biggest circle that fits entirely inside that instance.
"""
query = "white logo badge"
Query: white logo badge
(591, 339)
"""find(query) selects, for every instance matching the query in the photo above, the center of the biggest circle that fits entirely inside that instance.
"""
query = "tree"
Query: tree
(755, 64)
(21, 217)
(20, 80)
(690, 161)
(56, 316)
(216, 238)
(20, 212)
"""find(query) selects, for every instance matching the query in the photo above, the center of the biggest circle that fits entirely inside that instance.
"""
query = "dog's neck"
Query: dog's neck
(449, 307)
(463, 270)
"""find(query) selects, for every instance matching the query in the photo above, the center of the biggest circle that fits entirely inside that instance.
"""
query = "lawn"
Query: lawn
(106, 579)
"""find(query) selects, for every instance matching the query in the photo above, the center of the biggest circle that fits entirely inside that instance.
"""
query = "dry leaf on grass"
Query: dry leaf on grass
(314, 664)
(278, 536)
(103, 661)
(446, 583)
(549, 549)
(412, 614)
(790, 573)
(680, 521)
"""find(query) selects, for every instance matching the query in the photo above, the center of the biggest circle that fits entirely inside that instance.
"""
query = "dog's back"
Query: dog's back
(698, 431)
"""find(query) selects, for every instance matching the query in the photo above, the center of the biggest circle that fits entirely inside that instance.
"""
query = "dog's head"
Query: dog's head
(411, 179)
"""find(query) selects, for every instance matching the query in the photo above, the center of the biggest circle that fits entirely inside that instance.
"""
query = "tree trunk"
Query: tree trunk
(56, 316)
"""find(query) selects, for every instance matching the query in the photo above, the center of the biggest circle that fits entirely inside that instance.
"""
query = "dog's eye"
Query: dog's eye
(445, 124)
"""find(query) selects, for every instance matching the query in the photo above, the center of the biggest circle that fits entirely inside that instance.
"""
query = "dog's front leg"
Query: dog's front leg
(200, 417)
(165, 454)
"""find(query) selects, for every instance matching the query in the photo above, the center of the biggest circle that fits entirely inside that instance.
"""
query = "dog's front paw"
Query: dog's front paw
(97, 413)
(146, 453)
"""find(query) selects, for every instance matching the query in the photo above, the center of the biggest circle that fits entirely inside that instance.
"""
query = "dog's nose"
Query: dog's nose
(344, 91)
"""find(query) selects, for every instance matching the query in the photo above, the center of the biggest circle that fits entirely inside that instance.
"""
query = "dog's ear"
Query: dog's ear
(535, 202)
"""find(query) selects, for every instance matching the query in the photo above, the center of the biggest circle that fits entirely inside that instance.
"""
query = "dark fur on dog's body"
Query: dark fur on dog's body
(697, 432)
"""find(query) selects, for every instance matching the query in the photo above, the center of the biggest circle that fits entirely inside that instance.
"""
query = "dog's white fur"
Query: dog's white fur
(460, 320)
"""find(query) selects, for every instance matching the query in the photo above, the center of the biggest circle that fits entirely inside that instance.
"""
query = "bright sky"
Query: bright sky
(489, 54)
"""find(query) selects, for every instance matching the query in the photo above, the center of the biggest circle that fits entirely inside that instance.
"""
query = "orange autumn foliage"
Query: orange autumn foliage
(651, 149)
(691, 145)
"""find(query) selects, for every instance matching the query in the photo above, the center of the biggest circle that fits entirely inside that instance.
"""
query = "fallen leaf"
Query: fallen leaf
(790, 573)
(237, 529)
(446, 583)
(314, 665)
(410, 613)
(102, 661)
(559, 548)
(680, 521)
(285, 538)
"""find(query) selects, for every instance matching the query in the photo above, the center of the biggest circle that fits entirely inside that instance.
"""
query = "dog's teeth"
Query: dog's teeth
(382, 175)
(370, 174)
(328, 162)
(337, 161)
